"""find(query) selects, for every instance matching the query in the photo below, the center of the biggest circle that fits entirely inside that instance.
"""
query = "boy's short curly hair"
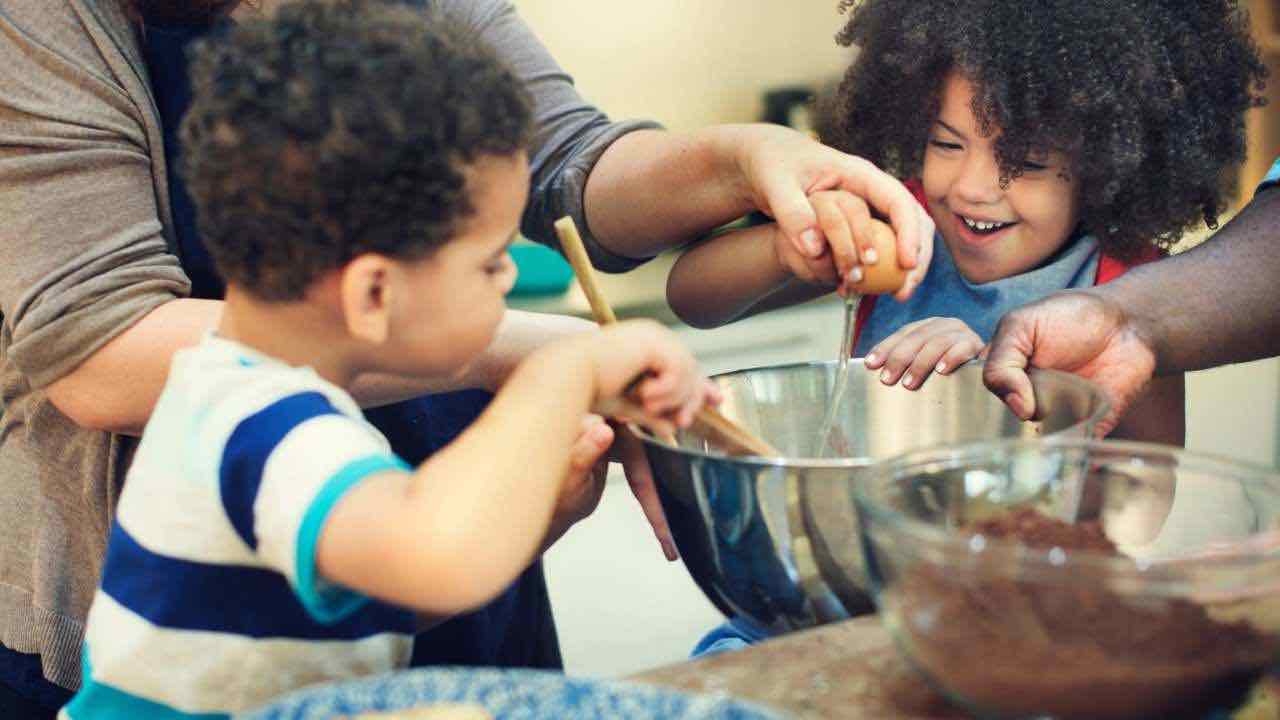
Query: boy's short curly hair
(338, 128)
(1145, 97)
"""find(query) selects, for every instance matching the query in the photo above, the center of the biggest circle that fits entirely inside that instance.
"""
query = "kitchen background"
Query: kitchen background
(620, 607)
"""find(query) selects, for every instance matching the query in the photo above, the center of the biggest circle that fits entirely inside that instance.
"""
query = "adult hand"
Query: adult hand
(583, 485)
(783, 167)
(1083, 332)
(629, 451)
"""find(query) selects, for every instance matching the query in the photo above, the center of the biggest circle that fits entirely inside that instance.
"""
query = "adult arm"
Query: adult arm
(85, 259)
(1216, 304)
(635, 190)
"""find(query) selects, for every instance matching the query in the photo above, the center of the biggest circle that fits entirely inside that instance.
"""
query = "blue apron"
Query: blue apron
(516, 629)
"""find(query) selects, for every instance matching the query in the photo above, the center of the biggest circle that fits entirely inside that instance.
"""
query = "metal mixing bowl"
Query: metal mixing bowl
(776, 541)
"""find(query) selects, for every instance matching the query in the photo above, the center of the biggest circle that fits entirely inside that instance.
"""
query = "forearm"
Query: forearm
(460, 528)
(519, 335)
(1216, 304)
(653, 190)
(116, 388)
(732, 276)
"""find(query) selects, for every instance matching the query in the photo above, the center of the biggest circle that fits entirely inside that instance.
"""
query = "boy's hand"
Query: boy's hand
(844, 220)
(932, 345)
(670, 388)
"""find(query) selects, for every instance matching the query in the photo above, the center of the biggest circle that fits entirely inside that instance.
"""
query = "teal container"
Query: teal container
(542, 271)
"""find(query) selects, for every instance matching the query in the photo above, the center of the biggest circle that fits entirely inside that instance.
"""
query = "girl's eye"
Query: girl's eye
(941, 145)
(1029, 166)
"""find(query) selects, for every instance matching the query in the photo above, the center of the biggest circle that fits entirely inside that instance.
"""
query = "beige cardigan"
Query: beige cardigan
(84, 210)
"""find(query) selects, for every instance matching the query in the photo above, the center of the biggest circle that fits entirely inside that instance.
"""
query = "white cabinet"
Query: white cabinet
(1232, 411)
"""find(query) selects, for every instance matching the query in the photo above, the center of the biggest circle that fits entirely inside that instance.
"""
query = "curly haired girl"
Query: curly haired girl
(1055, 143)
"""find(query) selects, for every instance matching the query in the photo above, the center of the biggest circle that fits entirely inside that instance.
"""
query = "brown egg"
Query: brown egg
(885, 276)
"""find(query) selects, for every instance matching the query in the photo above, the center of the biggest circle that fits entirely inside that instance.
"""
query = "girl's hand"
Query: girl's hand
(932, 345)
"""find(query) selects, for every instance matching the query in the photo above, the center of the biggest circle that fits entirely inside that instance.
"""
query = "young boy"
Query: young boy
(359, 175)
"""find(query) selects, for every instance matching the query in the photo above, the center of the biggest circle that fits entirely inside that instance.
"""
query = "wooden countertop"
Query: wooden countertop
(849, 670)
(844, 670)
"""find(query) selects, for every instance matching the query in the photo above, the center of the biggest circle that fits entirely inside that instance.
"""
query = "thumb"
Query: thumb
(1005, 374)
(790, 208)
(591, 445)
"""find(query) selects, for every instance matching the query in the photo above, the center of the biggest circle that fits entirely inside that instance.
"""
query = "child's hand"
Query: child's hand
(932, 345)
(668, 386)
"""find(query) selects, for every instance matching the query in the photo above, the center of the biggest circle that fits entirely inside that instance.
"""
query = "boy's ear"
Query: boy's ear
(367, 297)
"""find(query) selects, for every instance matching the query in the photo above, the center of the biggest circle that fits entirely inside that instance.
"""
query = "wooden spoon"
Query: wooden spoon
(709, 423)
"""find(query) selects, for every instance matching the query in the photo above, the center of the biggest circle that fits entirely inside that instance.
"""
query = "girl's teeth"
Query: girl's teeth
(983, 226)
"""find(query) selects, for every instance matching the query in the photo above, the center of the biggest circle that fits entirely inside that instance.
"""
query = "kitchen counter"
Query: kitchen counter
(844, 670)
(849, 670)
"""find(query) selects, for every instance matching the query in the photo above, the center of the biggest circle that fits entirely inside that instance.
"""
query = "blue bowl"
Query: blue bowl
(507, 695)
(542, 271)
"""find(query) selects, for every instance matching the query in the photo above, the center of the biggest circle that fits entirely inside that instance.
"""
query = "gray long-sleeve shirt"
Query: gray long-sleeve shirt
(84, 212)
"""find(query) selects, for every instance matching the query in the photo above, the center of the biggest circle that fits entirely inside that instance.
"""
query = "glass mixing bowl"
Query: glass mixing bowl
(1070, 578)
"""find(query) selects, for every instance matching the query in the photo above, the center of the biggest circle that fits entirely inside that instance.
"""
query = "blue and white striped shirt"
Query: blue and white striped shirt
(1272, 177)
(210, 603)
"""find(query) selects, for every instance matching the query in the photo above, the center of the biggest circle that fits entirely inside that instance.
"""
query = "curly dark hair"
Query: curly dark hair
(339, 128)
(1146, 98)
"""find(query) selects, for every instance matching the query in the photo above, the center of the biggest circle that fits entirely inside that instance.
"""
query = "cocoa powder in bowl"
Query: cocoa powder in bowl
(1021, 648)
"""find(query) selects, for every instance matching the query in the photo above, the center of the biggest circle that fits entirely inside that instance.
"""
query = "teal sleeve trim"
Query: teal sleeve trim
(103, 702)
(327, 603)
(1272, 178)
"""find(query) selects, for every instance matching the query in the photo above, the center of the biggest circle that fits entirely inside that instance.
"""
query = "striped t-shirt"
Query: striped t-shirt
(1272, 177)
(209, 602)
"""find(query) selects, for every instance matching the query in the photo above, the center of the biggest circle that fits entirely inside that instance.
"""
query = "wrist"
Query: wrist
(1146, 330)
(728, 149)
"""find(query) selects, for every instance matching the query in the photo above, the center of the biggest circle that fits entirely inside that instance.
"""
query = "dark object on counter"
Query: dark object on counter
(1030, 648)
(790, 106)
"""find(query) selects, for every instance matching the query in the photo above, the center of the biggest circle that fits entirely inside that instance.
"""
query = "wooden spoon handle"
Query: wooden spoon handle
(709, 422)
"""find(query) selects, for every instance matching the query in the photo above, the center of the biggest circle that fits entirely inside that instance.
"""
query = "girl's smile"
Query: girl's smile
(977, 231)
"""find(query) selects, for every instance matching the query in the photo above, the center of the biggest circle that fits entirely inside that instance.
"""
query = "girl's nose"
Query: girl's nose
(979, 179)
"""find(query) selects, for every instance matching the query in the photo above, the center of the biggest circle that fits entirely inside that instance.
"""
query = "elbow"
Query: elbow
(685, 304)
(90, 410)
(696, 321)
(458, 593)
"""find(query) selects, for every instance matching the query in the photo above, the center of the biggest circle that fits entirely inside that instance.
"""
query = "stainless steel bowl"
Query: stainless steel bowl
(776, 541)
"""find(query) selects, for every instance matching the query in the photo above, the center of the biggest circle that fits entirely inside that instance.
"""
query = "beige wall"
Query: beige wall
(689, 63)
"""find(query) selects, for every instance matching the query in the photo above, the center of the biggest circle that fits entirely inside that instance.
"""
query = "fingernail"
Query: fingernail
(872, 359)
(884, 377)
(809, 238)
(942, 367)
(908, 380)
(855, 275)
(870, 256)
